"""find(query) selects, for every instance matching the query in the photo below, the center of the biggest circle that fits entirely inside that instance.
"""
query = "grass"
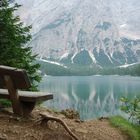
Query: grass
(5, 102)
(133, 130)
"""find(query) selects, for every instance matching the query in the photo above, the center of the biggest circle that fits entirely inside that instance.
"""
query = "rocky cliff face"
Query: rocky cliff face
(102, 32)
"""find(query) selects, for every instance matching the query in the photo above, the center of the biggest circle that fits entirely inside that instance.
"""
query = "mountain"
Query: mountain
(104, 33)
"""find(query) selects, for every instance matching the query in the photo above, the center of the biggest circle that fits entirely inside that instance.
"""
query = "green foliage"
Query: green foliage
(13, 38)
(70, 70)
(133, 130)
(86, 70)
(131, 70)
(131, 107)
(5, 102)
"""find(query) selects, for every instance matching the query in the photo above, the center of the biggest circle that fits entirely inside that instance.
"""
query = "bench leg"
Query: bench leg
(17, 109)
(14, 97)
(27, 108)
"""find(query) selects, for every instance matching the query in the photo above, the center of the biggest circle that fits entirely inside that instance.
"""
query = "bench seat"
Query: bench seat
(28, 96)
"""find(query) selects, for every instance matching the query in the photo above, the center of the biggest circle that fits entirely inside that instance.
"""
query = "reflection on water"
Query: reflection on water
(92, 96)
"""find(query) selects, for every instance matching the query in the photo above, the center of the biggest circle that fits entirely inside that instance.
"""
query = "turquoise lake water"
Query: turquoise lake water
(91, 96)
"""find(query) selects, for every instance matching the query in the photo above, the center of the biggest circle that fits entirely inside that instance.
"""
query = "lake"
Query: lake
(91, 96)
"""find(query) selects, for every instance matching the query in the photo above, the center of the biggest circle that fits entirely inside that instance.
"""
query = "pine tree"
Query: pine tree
(13, 39)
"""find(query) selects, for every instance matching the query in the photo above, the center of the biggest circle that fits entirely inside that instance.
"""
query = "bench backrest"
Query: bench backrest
(19, 77)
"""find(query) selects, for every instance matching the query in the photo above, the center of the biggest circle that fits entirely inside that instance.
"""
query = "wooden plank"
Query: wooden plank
(4, 94)
(34, 96)
(18, 76)
(28, 96)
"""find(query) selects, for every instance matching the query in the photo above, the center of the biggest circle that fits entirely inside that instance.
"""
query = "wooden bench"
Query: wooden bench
(12, 81)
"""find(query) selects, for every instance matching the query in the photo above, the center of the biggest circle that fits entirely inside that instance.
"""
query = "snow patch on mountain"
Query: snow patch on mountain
(53, 62)
(73, 57)
(64, 56)
(127, 65)
(92, 56)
